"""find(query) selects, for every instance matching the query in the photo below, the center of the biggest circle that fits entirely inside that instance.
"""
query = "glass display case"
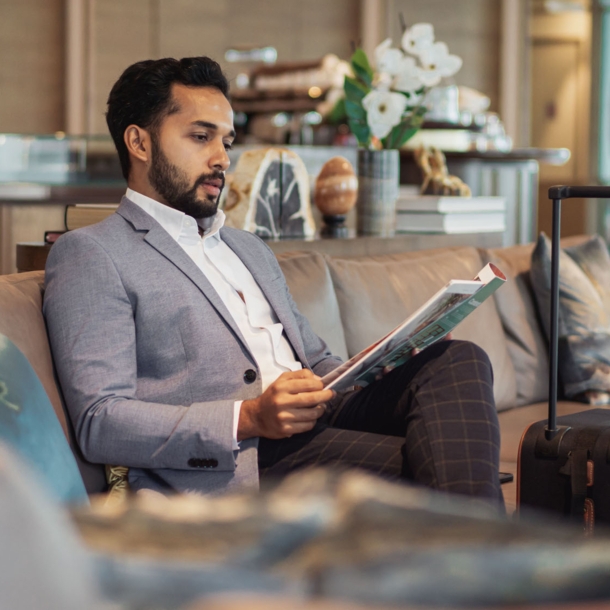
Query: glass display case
(58, 159)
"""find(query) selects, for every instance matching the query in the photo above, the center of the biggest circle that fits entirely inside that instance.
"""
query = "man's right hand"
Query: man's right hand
(290, 405)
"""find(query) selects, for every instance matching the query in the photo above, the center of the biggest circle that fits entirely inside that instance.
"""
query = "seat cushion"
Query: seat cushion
(22, 322)
(376, 294)
(310, 285)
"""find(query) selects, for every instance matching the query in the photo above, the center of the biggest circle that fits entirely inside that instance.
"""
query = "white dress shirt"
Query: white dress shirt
(234, 284)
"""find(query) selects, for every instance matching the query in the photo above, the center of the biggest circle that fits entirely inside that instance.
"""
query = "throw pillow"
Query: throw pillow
(28, 423)
(584, 315)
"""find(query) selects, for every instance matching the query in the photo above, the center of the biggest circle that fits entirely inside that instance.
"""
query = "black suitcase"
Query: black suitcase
(564, 463)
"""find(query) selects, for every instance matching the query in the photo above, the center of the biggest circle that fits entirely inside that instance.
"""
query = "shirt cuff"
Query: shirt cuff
(236, 410)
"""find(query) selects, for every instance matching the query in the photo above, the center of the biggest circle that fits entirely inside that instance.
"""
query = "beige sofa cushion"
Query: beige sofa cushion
(376, 294)
(22, 322)
(526, 344)
(311, 288)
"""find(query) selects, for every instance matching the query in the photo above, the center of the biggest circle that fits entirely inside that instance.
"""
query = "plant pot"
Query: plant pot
(378, 179)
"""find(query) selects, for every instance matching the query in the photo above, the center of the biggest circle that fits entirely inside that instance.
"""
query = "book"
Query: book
(84, 214)
(463, 222)
(434, 203)
(430, 323)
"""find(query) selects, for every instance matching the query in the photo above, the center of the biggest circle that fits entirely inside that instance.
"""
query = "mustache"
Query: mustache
(211, 176)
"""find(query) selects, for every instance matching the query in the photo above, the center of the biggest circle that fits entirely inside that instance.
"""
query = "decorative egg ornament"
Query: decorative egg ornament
(336, 187)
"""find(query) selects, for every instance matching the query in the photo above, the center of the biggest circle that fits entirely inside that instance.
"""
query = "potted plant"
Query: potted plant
(385, 106)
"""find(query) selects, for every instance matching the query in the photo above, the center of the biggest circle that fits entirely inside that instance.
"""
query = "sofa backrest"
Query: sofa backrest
(22, 322)
(311, 287)
(525, 342)
(376, 294)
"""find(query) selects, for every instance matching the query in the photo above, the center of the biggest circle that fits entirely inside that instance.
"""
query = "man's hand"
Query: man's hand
(291, 404)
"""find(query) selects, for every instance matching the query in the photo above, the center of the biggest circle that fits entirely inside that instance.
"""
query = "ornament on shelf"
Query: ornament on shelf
(335, 195)
(437, 180)
(269, 195)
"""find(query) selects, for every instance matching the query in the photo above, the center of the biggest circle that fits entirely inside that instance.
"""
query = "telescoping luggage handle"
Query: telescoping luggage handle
(556, 194)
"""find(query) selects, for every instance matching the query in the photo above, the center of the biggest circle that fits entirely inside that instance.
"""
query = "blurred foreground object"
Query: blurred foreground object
(353, 536)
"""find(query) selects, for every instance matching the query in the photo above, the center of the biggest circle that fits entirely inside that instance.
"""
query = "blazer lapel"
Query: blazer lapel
(276, 298)
(158, 238)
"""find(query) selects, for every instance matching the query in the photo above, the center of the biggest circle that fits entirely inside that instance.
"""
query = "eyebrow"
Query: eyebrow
(231, 134)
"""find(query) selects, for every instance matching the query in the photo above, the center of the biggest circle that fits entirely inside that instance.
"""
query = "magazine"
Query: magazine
(430, 323)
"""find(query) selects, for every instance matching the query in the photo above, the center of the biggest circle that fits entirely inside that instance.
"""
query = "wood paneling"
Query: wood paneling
(121, 35)
(31, 66)
(470, 28)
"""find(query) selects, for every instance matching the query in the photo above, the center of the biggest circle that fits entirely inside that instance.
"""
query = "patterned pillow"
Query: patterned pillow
(28, 423)
(584, 315)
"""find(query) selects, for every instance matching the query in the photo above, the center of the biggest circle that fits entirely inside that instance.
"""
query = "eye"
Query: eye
(200, 137)
(228, 145)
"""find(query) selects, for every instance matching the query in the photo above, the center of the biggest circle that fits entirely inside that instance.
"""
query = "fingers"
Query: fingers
(302, 415)
(300, 389)
(296, 421)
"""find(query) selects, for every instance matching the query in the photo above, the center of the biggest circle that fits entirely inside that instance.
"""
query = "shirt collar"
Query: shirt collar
(176, 223)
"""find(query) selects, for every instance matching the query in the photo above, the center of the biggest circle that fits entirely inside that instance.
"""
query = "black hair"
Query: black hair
(142, 96)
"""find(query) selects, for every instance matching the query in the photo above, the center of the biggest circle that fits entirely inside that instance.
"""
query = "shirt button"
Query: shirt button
(250, 376)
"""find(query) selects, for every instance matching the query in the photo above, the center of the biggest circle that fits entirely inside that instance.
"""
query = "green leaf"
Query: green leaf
(355, 110)
(361, 130)
(354, 90)
(420, 113)
(400, 134)
(362, 68)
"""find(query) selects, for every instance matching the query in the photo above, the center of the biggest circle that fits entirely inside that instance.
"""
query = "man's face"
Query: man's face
(189, 151)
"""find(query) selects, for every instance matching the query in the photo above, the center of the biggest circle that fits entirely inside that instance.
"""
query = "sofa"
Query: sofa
(352, 301)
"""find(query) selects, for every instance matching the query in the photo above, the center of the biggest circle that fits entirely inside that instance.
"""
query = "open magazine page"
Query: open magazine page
(431, 322)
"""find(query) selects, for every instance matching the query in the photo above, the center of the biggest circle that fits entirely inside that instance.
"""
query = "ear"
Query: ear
(138, 143)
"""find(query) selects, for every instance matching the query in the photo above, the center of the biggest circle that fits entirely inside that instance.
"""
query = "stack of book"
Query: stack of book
(80, 215)
(446, 214)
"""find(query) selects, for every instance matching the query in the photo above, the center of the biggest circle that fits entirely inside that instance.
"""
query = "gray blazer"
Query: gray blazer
(148, 357)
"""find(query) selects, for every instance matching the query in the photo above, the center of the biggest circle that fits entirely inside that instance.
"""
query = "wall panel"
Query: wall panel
(120, 35)
(31, 66)
(471, 29)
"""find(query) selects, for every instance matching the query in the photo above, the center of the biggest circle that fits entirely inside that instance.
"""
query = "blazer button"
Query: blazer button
(250, 376)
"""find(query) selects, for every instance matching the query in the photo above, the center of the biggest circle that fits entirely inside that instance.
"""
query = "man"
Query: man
(181, 354)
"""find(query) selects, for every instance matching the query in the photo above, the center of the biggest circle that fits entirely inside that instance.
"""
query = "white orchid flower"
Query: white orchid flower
(384, 110)
(418, 38)
(382, 81)
(409, 78)
(388, 60)
(437, 63)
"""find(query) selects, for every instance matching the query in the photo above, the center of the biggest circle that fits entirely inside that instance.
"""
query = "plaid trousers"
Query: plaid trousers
(432, 421)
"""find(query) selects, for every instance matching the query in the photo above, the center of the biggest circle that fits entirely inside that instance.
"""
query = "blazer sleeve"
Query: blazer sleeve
(92, 332)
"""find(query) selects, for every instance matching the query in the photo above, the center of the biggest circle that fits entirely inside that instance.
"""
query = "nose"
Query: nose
(220, 159)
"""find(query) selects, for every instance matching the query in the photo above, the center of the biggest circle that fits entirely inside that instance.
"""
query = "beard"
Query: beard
(173, 185)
